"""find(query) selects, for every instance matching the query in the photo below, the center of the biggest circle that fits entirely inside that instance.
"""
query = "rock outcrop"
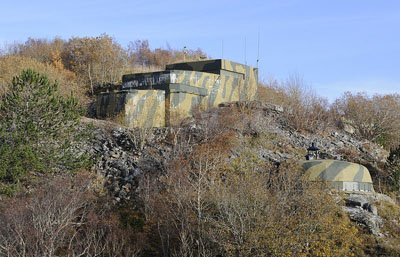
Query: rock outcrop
(362, 210)
(122, 155)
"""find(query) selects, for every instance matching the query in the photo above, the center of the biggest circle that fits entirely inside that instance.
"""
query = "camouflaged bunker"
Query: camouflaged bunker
(343, 176)
(164, 98)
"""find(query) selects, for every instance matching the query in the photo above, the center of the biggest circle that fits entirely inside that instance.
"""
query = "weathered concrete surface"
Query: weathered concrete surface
(133, 108)
(342, 175)
(187, 87)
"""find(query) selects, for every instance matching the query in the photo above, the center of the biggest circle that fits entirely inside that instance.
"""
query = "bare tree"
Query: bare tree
(62, 219)
(305, 110)
(375, 118)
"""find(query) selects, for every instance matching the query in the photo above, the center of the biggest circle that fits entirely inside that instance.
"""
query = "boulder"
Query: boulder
(365, 218)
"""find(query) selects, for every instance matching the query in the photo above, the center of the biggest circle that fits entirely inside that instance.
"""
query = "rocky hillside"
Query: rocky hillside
(125, 156)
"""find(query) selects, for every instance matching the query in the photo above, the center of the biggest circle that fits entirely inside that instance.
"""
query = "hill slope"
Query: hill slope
(251, 131)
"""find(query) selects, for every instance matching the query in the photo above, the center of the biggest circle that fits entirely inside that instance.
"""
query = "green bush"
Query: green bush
(37, 128)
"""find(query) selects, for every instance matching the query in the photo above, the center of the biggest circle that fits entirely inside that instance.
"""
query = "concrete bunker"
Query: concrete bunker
(342, 175)
(164, 98)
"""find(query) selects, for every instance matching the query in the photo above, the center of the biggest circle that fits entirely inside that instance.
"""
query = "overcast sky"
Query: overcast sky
(341, 45)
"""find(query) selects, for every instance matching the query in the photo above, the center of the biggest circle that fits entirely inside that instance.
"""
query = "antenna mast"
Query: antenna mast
(258, 46)
(222, 49)
(245, 51)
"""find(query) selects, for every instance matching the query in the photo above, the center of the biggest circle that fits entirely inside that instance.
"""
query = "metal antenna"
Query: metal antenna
(222, 49)
(258, 46)
(245, 51)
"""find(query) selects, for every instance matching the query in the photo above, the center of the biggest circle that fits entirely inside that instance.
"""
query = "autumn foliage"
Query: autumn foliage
(305, 110)
(375, 118)
(63, 217)
(11, 66)
(97, 61)
(214, 194)
(86, 64)
(212, 202)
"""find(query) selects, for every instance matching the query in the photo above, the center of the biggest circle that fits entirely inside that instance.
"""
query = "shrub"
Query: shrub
(218, 198)
(11, 66)
(375, 118)
(305, 110)
(248, 213)
(277, 213)
(63, 217)
(97, 61)
(37, 128)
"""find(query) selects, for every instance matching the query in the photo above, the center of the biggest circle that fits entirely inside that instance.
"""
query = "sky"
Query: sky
(337, 46)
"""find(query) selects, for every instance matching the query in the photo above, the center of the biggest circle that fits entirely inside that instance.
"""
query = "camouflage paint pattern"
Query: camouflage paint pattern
(191, 85)
(145, 108)
(133, 108)
(246, 74)
(339, 173)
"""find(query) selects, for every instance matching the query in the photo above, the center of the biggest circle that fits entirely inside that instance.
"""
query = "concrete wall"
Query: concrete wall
(133, 108)
(165, 98)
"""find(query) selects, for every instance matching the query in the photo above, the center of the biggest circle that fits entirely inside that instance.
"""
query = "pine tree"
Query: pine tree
(37, 128)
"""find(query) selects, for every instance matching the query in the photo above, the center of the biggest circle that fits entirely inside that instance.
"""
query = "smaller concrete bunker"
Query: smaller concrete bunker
(343, 176)
(164, 98)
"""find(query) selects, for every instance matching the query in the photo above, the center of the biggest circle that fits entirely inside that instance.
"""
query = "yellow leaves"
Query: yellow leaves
(96, 60)
(291, 216)
(56, 60)
(390, 213)
(337, 237)
(11, 66)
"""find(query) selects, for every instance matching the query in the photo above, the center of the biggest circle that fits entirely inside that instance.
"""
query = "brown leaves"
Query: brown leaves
(96, 61)
(305, 110)
(140, 54)
(11, 66)
(219, 198)
(375, 118)
(62, 218)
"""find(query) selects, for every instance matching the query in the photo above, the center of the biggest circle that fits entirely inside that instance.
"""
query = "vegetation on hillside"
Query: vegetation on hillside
(371, 118)
(11, 66)
(210, 203)
(37, 129)
(90, 62)
(214, 197)
(63, 216)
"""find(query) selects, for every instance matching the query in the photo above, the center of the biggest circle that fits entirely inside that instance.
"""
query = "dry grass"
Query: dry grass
(11, 66)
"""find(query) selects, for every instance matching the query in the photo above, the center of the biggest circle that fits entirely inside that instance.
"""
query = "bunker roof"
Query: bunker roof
(211, 66)
(333, 170)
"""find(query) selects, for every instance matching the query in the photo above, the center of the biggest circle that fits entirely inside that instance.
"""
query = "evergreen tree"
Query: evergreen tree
(37, 128)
